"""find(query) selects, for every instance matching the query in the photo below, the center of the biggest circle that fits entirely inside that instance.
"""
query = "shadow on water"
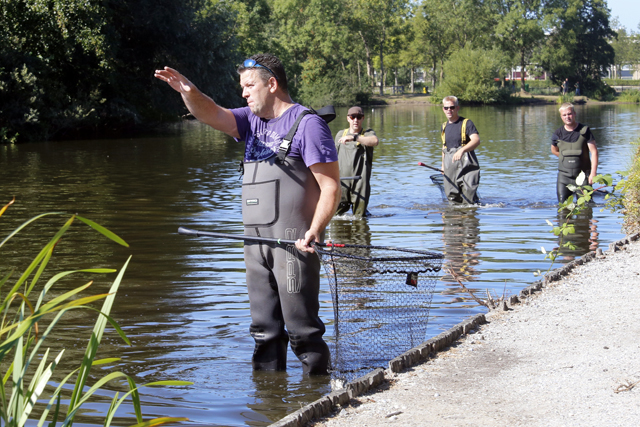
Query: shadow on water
(183, 301)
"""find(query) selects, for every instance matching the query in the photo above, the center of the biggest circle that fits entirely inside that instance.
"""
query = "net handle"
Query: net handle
(198, 233)
(320, 246)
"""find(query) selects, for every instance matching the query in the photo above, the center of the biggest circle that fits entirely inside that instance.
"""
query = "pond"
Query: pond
(183, 302)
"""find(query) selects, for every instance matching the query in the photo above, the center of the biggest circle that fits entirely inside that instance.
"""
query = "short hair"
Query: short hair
(566, 106)
(272, 63)
(451, 98)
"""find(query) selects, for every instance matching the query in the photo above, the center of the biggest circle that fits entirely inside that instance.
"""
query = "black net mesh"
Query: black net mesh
(381, 300)
(439, 181)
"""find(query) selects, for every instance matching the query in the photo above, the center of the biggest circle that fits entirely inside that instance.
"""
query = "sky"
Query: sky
(627, 11)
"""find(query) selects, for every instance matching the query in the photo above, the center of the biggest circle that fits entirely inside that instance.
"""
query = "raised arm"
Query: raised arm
(328, 177)
(200, 105)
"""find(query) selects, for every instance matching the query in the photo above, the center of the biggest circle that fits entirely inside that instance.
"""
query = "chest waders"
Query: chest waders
(279, 199)
(573, 158)
(462, 177)
(354, 160)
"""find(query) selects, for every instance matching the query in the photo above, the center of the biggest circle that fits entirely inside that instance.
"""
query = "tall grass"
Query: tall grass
(27, 365)
(629, 96)
(567, 97)
(628, 200)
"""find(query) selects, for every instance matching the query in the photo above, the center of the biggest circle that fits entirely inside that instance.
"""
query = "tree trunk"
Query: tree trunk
(382, 65)
(367, 52)
(522, 69)
(411, 85)
(434, 75)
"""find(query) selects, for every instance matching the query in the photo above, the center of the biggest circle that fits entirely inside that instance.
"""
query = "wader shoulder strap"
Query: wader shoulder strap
(327, 113)
(463, 136)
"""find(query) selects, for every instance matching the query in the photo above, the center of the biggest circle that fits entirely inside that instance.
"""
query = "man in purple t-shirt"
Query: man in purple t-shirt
(293, 198)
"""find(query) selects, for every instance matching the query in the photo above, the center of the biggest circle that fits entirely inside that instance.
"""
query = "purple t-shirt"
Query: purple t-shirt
(313, 142)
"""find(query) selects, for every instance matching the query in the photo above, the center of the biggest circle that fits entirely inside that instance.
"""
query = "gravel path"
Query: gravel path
(557, 359)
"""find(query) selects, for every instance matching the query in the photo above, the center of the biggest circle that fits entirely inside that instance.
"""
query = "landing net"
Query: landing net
(381, 301)
(439, 181)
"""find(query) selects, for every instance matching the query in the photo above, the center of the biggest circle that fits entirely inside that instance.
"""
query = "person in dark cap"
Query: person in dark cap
(355, 157)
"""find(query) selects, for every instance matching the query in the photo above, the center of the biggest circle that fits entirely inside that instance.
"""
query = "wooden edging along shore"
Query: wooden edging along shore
(440, 343)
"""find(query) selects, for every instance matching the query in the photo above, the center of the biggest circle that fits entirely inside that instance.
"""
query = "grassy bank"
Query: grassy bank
(519, 98)
(628, 190)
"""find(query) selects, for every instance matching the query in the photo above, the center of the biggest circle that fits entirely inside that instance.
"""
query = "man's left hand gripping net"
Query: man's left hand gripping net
(381, 301)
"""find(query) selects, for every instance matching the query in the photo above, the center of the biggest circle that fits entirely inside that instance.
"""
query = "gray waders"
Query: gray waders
(279, 201)
(573, 158)
(461, 178)
(354, 160)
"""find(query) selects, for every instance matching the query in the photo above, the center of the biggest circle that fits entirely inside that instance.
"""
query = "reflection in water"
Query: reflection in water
(460, 237)
(272, 389)
(345, 230)
(585, 237)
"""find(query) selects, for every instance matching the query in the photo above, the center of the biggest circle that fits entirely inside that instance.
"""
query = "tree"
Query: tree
(519, 31)
(319, 50)
(577, 46)
(377, 20)
(626, 47)
(469, 75)
(79, 66)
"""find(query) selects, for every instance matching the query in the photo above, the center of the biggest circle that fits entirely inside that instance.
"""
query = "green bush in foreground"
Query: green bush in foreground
(26, 365)
(571, 208)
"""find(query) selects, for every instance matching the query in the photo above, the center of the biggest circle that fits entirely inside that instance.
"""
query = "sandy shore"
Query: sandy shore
(566, 356)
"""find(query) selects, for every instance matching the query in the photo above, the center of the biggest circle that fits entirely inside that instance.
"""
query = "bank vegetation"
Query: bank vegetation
(85, 67)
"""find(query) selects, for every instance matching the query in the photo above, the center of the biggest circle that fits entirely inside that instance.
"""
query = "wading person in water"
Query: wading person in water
(293, 197)
(355, 156)
(459, 162)
(573, 142)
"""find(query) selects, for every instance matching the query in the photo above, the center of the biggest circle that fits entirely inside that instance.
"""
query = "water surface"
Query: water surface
(183, 302)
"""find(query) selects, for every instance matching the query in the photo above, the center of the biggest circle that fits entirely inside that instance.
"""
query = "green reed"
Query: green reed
(26, 364)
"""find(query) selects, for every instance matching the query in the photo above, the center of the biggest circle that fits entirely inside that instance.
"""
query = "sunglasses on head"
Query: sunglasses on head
(251, 63)
(449, 108)
(356, 116)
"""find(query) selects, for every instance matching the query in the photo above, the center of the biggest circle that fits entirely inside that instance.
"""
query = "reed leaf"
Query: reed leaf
(100, 229)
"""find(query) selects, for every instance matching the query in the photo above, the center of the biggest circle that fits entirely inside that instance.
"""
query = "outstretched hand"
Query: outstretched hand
(174, 79)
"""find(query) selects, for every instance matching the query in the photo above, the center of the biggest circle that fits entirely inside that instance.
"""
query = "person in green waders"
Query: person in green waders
(355, 157)
(459, 162)
(576, 149)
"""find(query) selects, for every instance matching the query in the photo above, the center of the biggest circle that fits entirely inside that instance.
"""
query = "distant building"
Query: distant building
(626, 72)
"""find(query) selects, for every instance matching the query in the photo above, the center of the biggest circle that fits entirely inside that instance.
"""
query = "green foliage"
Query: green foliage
(570, 208)
(337, 89)
(567, 97)
(79, 66)
(602, 92)
(519, 31)
(578, 45)
(626, 48)
(469, 74)
(629, 96)
(30, 314)
(628, 198)
(621, 82)
(71, 67)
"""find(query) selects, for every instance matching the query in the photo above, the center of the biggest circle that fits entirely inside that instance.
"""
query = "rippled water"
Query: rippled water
(183, 302)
